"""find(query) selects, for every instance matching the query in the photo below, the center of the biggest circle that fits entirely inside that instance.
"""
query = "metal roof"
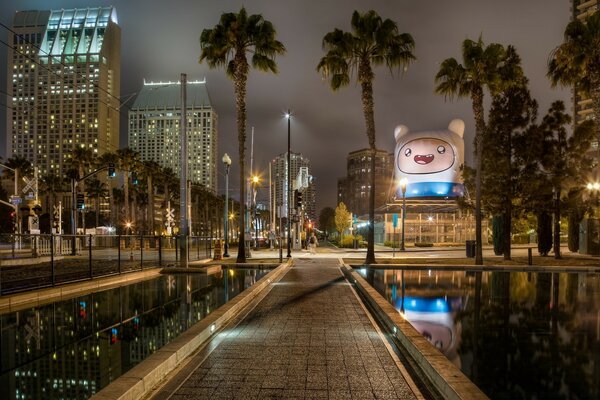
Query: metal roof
(167, 95)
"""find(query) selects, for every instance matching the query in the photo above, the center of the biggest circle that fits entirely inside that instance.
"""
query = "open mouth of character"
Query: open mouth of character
(423, 159)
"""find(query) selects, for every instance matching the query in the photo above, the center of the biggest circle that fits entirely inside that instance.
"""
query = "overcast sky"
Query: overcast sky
(160, 40)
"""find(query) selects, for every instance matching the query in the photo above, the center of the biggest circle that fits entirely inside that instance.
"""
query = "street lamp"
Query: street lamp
(129, 227)
(288, 115)
(255, 180)
(403, 183)
(227, 164)
(594, 187)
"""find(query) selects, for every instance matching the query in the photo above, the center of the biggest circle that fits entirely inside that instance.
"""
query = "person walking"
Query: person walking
(312, 244)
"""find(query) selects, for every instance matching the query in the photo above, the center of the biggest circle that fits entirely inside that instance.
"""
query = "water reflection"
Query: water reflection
(72, 349)
(517, 335)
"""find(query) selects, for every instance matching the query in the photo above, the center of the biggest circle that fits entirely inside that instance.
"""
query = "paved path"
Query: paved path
(309, 338)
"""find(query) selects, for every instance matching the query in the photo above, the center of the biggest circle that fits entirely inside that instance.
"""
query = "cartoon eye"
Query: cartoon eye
(407, 152)
(441, 149)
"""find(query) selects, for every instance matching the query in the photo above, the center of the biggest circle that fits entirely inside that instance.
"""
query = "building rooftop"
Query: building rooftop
(167, 95)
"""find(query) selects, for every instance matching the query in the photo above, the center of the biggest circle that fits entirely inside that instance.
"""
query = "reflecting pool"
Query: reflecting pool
(71, 349)
(516, 335)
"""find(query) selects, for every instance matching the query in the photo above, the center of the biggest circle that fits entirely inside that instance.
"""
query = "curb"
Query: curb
(141, 379)
(446, 378)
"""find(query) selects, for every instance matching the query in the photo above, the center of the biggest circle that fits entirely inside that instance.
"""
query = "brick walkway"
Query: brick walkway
(309, 338)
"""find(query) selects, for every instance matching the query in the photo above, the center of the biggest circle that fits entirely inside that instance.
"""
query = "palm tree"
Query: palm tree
(129, 160)
(372, 42)
(52, 185)
(226, 45)
(151, 170)
(577, 61)
(81, 160)
(96, 189)
(481, 69)
(104, 160)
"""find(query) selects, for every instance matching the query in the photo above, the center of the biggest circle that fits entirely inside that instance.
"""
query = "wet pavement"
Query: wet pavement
(309, 338)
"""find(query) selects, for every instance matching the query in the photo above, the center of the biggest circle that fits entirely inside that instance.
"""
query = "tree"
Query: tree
(482, 68)
(577, 61)
(151, 170)
(511, 113)
(129, 161)
(96, 189)
(327, 220)
(343, 218)
(104, 160)
(81, 160)
(372, 42)
(226, 45)
(51, 185)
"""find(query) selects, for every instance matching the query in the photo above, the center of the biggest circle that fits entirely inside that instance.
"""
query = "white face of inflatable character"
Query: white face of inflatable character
(425, 156)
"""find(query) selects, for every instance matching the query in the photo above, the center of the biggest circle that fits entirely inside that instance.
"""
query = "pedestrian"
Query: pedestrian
(313, 244)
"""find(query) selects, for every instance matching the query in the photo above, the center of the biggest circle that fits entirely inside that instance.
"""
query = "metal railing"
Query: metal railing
(30, 262)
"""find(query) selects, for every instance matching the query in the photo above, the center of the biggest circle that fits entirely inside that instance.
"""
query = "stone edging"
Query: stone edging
(17, 301)
(447, 379)
(142, 378)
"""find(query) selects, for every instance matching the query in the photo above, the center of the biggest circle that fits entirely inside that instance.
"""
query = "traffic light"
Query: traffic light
(298, 199)
(134, 178)
(80, 201)
(13, 219)
(111, 170)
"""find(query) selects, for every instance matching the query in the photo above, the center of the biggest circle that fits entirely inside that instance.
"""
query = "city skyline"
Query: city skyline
(326, 126)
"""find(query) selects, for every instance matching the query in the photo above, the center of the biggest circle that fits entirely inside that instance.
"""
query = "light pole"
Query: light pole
(255, 180)
(288, 115)
(403, 183)
(227, 164)
(130, 229)
(594, 187)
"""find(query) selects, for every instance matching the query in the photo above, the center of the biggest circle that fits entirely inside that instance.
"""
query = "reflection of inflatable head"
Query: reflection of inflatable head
(430, 160)
(433, 318)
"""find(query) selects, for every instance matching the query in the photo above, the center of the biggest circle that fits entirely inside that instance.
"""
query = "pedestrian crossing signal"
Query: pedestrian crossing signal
(80, 201)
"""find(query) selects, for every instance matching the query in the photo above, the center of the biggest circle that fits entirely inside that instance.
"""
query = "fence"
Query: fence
(34, 261)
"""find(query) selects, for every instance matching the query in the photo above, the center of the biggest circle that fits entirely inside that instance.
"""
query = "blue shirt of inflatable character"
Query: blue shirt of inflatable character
(422, 304)
(433, 189)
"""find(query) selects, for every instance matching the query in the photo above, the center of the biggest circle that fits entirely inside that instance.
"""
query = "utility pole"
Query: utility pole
(183, 224)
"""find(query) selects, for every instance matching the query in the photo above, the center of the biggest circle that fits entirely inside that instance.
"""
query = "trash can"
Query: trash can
(470, 245)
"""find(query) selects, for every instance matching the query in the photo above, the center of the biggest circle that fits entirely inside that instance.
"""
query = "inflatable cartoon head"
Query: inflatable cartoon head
(430, 161)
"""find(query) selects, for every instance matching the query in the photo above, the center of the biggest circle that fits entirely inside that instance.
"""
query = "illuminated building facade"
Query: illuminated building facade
(279, 184)
(353, 190)
(154, 129)
(64, 83)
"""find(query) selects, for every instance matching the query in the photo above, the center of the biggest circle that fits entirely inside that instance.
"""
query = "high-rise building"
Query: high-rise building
(582, 9)
(64, 72)
(154, 129)
(354, 189)
(279, 181)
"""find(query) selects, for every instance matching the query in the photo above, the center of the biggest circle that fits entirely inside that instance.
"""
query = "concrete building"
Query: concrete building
(154, 129)
(64, 72)
(279, 184)
(354, 189)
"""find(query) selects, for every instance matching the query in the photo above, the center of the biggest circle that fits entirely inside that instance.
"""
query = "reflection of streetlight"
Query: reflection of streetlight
(403, 183)
(594, 187)
(227, 164)
(255, 180)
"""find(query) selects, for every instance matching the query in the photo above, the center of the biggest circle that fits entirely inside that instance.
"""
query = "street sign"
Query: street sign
(15, 200)
(30, 196)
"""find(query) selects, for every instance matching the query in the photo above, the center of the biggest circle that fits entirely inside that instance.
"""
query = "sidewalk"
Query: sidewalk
(309, 338)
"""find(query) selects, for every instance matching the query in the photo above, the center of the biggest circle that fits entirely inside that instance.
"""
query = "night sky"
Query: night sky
(160, 40)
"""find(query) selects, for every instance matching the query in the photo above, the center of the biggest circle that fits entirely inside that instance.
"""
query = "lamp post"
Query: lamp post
(403, 183)
(130, 229)
(227, 164)
(594, 187)
(255, 180)
(288, 115)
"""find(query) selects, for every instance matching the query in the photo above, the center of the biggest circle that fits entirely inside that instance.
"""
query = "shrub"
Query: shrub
(423, 244)
(348, 241)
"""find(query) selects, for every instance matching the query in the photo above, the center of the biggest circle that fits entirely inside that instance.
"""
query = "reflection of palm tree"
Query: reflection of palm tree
(97, 189)
(372, 42)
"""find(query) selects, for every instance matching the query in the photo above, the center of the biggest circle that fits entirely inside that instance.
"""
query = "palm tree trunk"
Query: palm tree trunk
(240, 100)
(81, 172)
(97, 211)
(151, 204)
(557, 254)
(126, 194)
(595, 95)
(366, 79)
(477, 96)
